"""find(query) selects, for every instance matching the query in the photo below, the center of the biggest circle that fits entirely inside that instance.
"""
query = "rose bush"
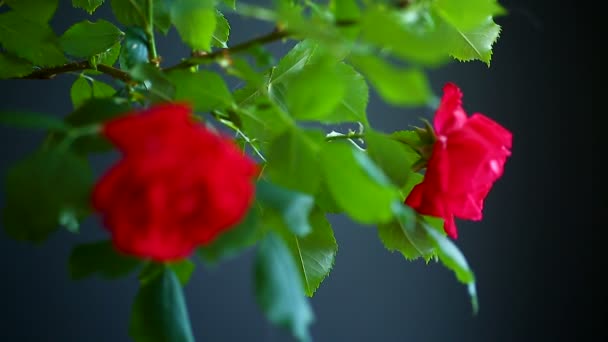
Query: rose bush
(177, 186)
(468, 156)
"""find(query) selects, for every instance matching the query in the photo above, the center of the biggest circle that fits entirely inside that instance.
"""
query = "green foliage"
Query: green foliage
(395, 159)
(156, 83)
(356, 185)
(86, 38)
(11, 66)
(278, 288)
(88, 5)
(205, 90)
(229, 243)
(32, 121)
(293, 207)
(100, 258)
(36, 41)
(222, 31)
(60, 181)
(159, 312)
(398, 86)
(195, 20)
(293, 160)
(36, 10)
(313, 253)
(134, 49)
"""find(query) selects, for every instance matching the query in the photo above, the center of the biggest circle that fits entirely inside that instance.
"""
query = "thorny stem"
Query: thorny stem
(51, 72)
(150, 33)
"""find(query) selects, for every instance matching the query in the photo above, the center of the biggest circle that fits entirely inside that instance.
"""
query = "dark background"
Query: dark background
(531, 253)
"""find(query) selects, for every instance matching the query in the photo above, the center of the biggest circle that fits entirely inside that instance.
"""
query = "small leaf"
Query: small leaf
(293, 161)
(158, 85)
(314, 253)
(206, 90)
(453, 259)
(130, 12)
(356, 184)
(395, 159)
(40, 188)
(36, 10)
(100, 258)
(32, 121)
(396, 86)
(109, 56)
(195, 22)
(134, 49)
(159, 311)
(11, 66)
(222, 31)
(353, 105)
(278, 288)
(162, 15)
(80, 92)
(101, 90)
(467, 14)
(88, 5)
(232, 241)
(406, 235)
(86, 38)
(35, 42)
(230, 3)
(473, 44)
(293, 207)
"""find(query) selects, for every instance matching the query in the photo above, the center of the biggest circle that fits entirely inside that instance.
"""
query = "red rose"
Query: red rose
(177, 186)
(467, 158)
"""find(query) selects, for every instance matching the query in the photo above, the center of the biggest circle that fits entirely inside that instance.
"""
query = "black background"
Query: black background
(531, 253)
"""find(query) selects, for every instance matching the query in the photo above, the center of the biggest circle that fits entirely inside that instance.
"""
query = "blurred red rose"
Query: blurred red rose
(466, 160)
(177, 186)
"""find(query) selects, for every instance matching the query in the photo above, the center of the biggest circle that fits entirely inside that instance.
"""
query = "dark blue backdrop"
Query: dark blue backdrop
(529, 254)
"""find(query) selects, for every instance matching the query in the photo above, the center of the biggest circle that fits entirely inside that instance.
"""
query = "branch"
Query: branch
(51, 72)
(267, 38)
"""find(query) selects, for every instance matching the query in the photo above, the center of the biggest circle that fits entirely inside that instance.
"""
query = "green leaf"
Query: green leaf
(467, 14)
(100, 258)
(80, 92)
(307, 102)
(230, 3)
(206, 90)
(473, 44)
(159, 312)
(162, 15)
(195, 22)
(394, 158)
(86, 38)
(30, 40)
(222, 31)
(88, 5)
(12, 66)
(356, 184)
(158, 85)
(40, 188)
(346, 10)
(293, 160)
(93, 111)
(353, 105)
(411, 34)
(183, 270)
(397, 86)
(293, 207)
(278, 288)
(314, 253)
(101, 90)
(32, 121)
(36, 10)
(130, 12)
(134, 49)
(263, 120)
(406, 235)
(109, 56)
(452, 258)
(232, 241)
